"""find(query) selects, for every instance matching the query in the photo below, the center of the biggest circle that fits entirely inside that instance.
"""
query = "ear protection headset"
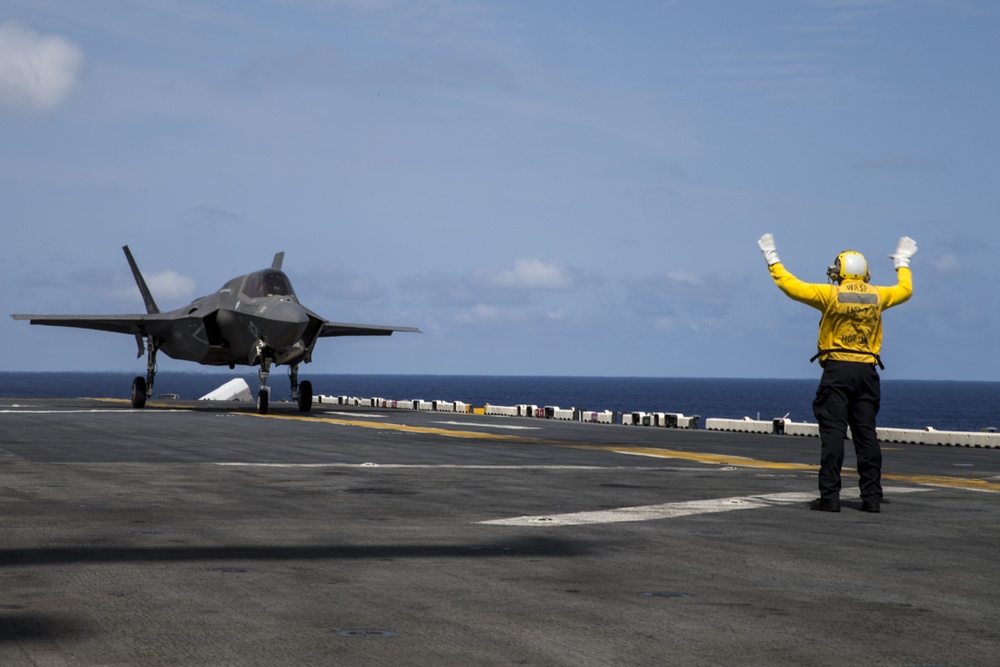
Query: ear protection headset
(849, 265)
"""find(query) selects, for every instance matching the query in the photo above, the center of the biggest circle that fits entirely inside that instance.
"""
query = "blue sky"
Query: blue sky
(544, 188)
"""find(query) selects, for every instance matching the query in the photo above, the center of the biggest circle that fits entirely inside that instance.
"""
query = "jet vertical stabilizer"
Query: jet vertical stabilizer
(147, 296)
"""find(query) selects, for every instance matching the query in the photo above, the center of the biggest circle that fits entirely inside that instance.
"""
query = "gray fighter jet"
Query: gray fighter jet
(253, 320)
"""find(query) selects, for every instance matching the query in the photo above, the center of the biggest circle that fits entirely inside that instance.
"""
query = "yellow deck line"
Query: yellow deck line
(971, 484)
(717, 459)
(711, 459)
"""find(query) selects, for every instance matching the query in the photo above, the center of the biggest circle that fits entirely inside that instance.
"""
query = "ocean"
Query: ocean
(944, 405)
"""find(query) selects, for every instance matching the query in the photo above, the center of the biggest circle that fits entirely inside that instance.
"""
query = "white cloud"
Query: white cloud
(526, 274)
(946, 263)
(170, 285)
(492, 313)
(527, 281)
(684, 278)
(167, 287)
(37, 72)
(489, 313)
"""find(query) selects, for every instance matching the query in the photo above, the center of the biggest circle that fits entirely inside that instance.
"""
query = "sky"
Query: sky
(543, 188)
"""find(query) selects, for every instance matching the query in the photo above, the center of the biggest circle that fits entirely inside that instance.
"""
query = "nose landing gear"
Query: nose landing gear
(302, 392)
(264, 394)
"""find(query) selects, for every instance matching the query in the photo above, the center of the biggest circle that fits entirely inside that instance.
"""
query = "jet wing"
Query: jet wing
(126, 324)
(344, 329)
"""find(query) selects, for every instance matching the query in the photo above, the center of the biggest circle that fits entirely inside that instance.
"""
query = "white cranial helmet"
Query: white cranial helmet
(849, 265)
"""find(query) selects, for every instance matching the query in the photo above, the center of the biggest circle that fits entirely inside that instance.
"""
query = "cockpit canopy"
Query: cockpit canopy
(267, 283)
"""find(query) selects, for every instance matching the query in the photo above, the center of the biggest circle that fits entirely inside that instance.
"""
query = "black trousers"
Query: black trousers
(848, 395)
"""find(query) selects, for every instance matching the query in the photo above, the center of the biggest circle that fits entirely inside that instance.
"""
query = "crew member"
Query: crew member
(850, 340)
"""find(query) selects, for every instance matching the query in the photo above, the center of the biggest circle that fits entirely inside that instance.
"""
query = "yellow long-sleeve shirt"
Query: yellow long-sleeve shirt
(850, 328)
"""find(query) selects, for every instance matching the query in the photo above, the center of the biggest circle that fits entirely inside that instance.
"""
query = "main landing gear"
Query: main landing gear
(142, 387)
(302, 392)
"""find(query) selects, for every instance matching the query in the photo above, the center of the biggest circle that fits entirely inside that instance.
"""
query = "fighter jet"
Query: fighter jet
(252, 320)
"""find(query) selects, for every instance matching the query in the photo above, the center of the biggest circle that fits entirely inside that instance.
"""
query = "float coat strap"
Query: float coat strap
(819, 354)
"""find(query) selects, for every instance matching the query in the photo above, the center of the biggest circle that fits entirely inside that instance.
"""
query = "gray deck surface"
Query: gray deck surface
(197, 534)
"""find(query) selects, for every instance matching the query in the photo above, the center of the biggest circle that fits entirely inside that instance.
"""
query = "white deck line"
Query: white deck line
(674, 510)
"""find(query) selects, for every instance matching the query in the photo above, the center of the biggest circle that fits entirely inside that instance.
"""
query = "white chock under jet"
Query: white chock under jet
(252, 320)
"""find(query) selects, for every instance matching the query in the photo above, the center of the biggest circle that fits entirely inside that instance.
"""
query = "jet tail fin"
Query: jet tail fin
(147, 296)
(279, 257)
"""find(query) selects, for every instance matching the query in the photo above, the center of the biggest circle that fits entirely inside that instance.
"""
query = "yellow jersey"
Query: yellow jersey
(850, 328)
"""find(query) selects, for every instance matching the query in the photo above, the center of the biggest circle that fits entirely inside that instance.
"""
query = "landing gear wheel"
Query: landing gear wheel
(139, 392)
(305, 396)
(262, 397)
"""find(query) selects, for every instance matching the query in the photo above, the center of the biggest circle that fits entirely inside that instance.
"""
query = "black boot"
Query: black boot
(824, 505)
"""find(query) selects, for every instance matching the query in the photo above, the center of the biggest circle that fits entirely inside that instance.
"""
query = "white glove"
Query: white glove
(906, 249)
(766, 245)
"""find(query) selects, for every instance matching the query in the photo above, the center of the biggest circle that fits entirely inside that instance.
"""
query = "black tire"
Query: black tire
(305, 396)
(139, 392)
(262, 398)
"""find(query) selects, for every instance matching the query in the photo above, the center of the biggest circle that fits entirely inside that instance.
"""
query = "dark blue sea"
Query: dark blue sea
(944, 405)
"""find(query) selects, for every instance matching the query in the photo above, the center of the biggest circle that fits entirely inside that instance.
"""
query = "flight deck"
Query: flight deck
(194, 533)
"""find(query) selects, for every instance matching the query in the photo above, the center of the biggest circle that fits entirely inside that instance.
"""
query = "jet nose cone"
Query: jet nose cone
(286, 321)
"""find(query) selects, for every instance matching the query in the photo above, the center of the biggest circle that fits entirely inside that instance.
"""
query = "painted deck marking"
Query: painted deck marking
(655, 452)
(87, 411)
(673, 510)
(501, 427)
